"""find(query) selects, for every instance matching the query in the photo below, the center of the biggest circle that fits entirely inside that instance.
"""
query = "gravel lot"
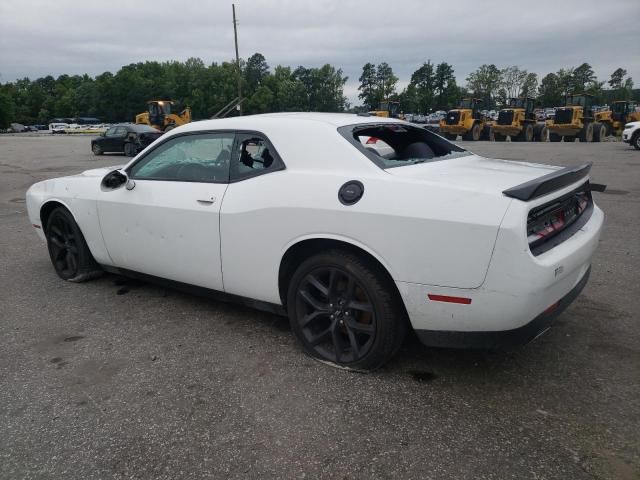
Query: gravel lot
(120, 379)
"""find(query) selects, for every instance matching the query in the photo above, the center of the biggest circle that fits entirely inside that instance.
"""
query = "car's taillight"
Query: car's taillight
(548, 220)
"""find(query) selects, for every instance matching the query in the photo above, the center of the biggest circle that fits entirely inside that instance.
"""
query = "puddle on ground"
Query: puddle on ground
(73, 338)
(610, 191)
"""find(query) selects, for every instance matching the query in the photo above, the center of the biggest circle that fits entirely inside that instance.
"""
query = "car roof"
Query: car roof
(251, 122)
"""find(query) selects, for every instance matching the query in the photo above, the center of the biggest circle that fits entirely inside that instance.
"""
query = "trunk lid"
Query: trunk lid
(475, 173)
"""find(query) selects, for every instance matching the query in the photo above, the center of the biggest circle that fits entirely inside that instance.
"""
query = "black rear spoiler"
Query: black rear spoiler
(548, 183)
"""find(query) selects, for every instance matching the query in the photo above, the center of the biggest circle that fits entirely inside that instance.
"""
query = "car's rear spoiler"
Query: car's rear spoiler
(548, 183)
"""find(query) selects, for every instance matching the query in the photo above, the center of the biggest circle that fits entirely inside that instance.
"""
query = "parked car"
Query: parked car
(127, 138)
(549, 113)
(354, 247)
(58, 128)
(631, 134)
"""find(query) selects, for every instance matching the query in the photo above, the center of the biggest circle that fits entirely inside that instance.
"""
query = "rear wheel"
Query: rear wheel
(586, 134)
(96, 149)
(599, 132)
(473, 134)
(487, 133)
(635, 140)
(540, 133)
(526, 134)
(344, 311)
(554, 137)
(68, 249)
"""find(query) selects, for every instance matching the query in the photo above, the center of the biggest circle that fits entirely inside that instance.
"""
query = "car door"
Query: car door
(118, 139)
(252, 219)
(167, 225)
(107, 141)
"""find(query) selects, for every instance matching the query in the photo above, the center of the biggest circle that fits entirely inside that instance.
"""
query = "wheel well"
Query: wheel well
(298, 253)
(46, 210)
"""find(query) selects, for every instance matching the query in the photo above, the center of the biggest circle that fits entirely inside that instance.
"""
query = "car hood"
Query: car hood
(475, 173)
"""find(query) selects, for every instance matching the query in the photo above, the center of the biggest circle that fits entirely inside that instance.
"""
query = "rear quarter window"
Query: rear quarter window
(391, 145)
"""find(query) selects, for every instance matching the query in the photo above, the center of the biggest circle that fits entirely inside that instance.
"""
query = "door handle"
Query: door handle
(207, 201)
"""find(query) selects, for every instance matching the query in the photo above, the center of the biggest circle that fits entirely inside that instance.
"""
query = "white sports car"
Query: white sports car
(355, 244)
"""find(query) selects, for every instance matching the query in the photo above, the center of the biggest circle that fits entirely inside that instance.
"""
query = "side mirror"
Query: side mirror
(115, 179)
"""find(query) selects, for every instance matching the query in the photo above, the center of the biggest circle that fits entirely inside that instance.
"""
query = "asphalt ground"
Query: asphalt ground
(121, 379)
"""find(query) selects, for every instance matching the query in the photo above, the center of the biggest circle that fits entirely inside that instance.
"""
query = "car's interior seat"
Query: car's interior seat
(417, 150)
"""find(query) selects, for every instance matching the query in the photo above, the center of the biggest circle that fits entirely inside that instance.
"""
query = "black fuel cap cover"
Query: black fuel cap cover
(350, 192)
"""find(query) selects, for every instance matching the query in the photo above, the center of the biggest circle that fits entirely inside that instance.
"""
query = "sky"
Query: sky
(39, 38)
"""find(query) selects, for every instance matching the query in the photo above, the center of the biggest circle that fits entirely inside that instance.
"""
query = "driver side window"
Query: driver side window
(188, 158)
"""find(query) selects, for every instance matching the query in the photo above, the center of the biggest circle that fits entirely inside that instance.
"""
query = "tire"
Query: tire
(526, 134)
(473, 134)
(635, 140)
(130, 149)
(451, 136)
(96, 149)
(554, 137)
(599, 132)
(345, 311)
(487, 134)
(68, 250)
(586, 134)
(541, 133)
(498, 137)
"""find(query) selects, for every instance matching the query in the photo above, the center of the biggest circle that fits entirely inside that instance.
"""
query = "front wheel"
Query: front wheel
(96, 149)
(635, 141)
(345, 312)
(68, 250)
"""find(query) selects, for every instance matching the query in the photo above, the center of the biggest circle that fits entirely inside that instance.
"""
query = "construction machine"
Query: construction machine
(615, 118)
(388, 109)
(518, 121)
(575, 120)
(466, 120)
(159, 115)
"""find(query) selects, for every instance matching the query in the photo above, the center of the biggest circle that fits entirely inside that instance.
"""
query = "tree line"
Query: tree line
(208, 88)
(204, 88)
(433, 87)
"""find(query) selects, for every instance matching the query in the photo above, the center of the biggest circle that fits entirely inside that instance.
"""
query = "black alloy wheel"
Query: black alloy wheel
(343, 311)
(68, 250)
(335, 315)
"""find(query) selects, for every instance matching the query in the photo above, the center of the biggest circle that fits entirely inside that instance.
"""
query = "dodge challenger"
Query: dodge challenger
(357, 228)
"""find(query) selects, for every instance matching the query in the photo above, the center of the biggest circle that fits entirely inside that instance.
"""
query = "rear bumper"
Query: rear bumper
(501, 340)
(519, 290)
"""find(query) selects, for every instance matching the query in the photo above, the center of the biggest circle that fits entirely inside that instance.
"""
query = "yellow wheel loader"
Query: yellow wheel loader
(614, 119)
(518, 121)
(575, 120)
(159, 115)
(466, 120)
(388, 109)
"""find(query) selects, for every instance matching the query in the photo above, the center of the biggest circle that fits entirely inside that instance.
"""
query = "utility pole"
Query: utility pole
(235, 34)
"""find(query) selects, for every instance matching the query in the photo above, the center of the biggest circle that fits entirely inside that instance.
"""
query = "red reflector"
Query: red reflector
(446, 298)
(551, 309)
(372, 140)
(36, 226)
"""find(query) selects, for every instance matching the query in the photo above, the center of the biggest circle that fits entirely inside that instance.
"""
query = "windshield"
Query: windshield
(466, 103)
(391, 145)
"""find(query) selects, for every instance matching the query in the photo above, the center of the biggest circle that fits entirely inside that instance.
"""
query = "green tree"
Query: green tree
(368, 88)
(255, 70)
(386, 80)
(581, 77)
(484, 83)
(7, 110)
